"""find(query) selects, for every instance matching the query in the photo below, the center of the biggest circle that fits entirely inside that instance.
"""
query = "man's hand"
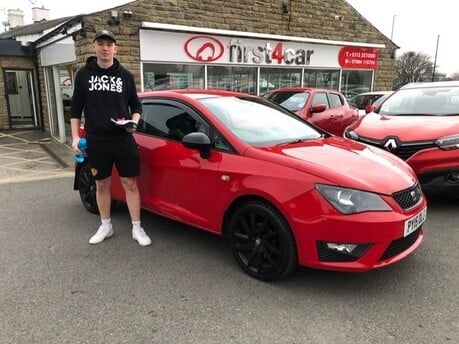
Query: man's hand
(132, 128)
(75, 148)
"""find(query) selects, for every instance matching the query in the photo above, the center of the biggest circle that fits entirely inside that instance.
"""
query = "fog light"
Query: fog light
(343, 248)
(453, 177)
(339, 252)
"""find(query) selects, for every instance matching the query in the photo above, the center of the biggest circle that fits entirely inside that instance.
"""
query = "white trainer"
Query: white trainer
(142, 238)
(102, 233)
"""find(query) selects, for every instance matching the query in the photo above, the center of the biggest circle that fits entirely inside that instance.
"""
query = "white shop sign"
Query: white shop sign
(168, 46)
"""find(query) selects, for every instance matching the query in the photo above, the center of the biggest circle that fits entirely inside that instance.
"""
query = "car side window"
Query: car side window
(335, 100)
(320, 98)
(169, 121)
(221, 144)
(295, 101)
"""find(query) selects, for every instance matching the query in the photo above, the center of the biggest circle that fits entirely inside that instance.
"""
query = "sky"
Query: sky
(415, 25)
(418, 26)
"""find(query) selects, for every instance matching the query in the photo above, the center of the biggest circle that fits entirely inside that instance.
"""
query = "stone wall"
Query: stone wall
(43, 96)
(320, 19)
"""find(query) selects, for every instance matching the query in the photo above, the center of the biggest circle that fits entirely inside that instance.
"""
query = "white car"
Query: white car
(362, 100)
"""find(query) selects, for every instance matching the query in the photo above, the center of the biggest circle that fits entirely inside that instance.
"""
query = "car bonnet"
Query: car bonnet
(345, 163)
(407, 128)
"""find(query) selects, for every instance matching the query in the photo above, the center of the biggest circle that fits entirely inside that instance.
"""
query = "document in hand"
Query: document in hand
(125, 123)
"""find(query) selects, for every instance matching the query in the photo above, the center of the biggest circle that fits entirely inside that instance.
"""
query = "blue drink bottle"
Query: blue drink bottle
(82, 145)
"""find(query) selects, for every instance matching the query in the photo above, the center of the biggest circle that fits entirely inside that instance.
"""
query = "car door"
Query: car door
(343, 114)
(175, 181)
(327, 120)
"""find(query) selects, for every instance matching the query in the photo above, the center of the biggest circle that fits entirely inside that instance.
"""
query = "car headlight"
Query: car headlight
(448, 142)
(350, 201)
(351, 134)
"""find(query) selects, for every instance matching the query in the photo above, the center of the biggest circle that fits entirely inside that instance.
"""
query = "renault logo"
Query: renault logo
(391, 145)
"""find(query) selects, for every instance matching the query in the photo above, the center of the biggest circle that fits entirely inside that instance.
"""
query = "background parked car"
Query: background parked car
(283, 191)
(328, 109)
(420, 124)
(362, 100)
(377, 103)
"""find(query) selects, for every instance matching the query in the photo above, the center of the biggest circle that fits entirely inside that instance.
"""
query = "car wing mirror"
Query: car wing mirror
(200, 141)
(370, 108)
(318, 108)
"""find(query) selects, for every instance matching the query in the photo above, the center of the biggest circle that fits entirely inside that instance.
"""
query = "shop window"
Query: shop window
(354, 82)
(172, 76)
(272, 78)
(328, 79)
(239, 79)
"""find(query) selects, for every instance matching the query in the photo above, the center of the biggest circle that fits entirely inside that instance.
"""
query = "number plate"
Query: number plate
(415, 222)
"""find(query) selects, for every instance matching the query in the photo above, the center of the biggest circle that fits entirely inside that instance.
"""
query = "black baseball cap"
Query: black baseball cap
(104, 34)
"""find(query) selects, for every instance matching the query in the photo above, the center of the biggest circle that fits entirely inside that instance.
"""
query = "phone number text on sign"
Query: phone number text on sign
(355, 57)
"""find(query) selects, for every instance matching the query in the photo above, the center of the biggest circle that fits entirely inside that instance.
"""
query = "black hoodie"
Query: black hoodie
(104, 94)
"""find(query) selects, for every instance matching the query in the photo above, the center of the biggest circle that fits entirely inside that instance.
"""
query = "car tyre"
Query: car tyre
(87, 189)
(262, 242)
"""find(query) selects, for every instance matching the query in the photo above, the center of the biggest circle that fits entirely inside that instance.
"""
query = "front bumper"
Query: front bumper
(443, 182)
(378, 238)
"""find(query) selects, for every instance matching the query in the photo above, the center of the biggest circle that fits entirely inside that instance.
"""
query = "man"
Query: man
(105, 90)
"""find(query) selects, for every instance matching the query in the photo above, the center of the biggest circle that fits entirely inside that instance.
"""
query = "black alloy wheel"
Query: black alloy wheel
(262, 242)
(87, 189)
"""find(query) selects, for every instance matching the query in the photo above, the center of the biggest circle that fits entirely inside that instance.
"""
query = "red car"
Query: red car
(328, 109)
(282, 191)
(420, 124)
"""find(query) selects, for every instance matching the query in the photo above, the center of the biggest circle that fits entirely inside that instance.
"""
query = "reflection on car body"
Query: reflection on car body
(282, 191)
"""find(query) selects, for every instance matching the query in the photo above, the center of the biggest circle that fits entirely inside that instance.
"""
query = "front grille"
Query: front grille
(400, 245)
(408, 198)
(404, 150)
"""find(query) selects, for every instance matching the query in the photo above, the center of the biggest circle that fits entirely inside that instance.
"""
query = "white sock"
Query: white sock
(135, 225)
(106, 222)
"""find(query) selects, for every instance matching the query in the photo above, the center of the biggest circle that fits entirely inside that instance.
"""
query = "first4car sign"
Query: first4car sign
(209, 49)
(166, 46)
(277, 54)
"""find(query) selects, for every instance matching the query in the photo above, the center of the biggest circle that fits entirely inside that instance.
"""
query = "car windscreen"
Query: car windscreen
(259, 123)
(357, 101)
(380, 100)
(427, 101)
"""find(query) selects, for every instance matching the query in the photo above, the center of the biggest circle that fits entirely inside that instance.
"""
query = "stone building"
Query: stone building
(244, 45)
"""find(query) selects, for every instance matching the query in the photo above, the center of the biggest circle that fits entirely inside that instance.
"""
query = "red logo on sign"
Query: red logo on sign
(356, 57)
(204, 48)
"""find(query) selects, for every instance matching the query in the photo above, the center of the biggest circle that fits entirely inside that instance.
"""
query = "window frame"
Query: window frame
(211, 131)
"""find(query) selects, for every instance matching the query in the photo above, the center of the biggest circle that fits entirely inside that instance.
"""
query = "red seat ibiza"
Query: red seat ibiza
(281, 190)
(420, 124)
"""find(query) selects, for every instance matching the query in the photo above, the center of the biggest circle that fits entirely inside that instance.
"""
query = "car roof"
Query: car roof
(193, 93)
(373, 92)
(431, 84)
(301, 89)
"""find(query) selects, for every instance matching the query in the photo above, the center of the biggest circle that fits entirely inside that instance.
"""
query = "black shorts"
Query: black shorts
(120, 151)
